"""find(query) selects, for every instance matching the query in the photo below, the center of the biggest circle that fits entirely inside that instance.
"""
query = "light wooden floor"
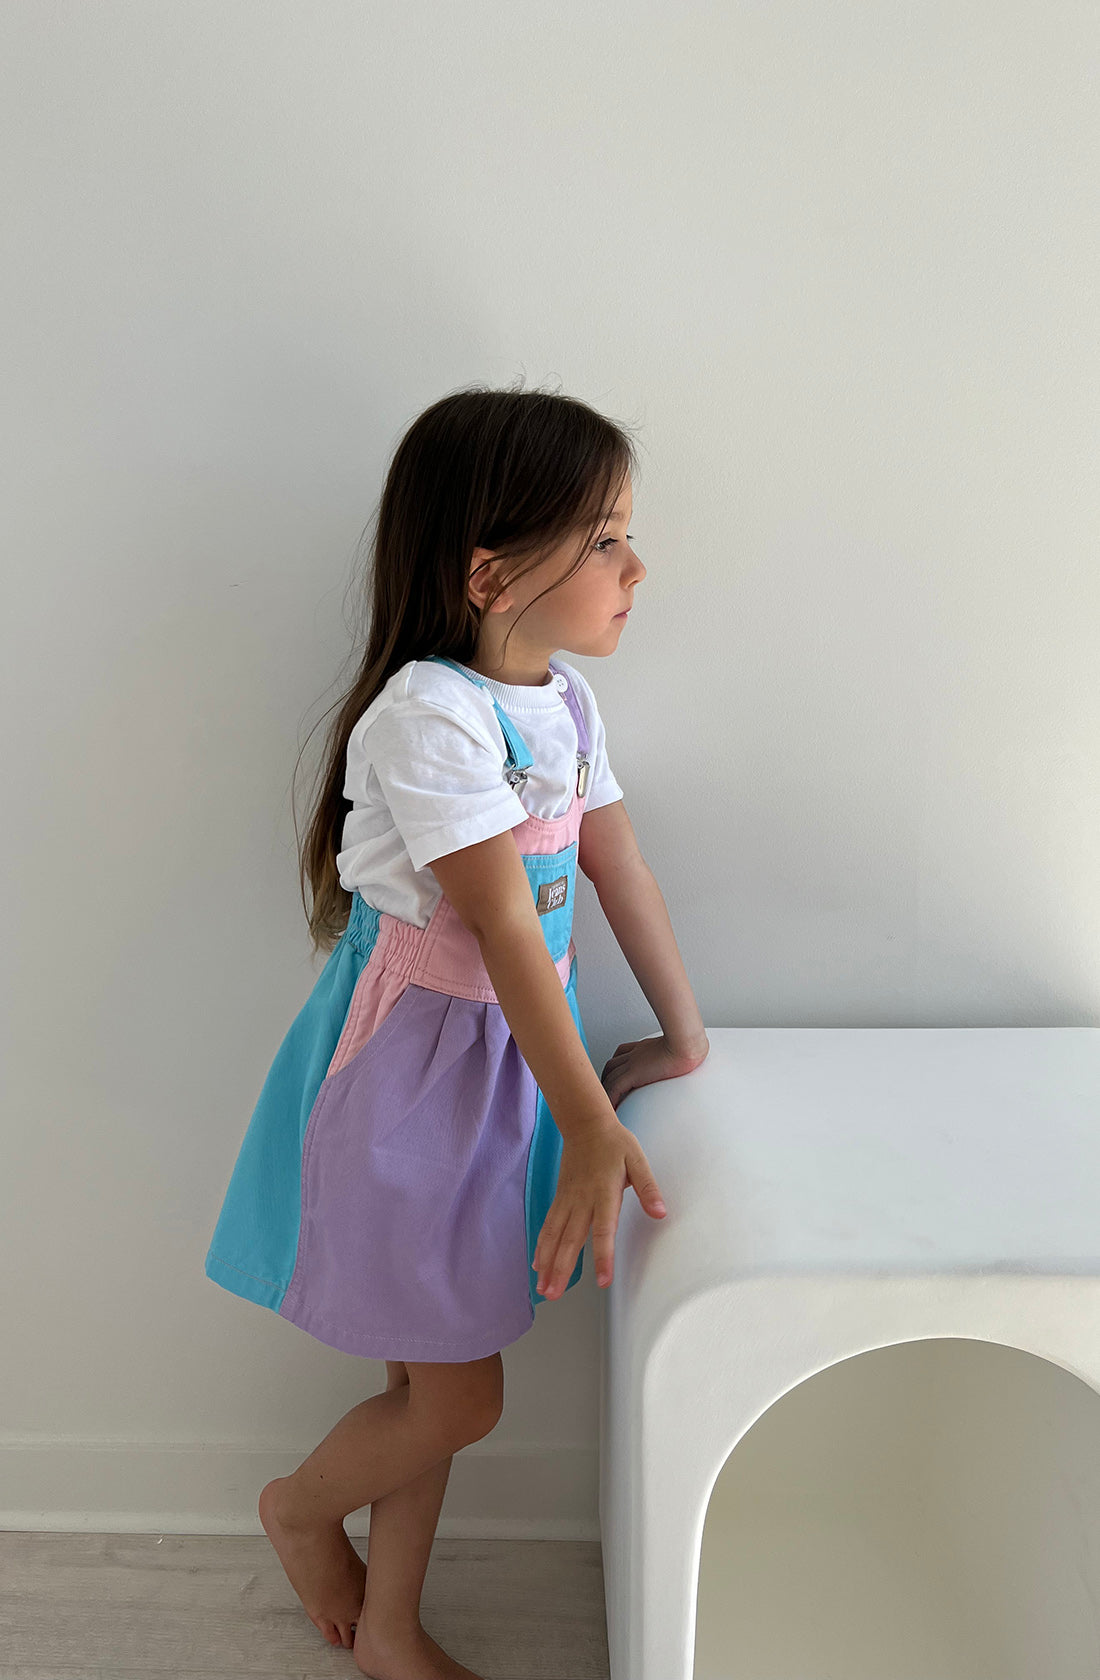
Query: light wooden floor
(213, 1607)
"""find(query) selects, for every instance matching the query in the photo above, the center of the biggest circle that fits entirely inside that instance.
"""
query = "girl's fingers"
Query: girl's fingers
(644, 1181)
(547, 1243)
(604, 1227)
(549, 1238)
(620, 1051)
(550, 1235)
(560, 1264)
(556, 1254)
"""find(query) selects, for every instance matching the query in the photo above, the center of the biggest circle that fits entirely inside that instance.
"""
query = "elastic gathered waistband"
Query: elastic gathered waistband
(363, 922)
(399, 944)
(398, 947)
(388, 938)
(395, 942)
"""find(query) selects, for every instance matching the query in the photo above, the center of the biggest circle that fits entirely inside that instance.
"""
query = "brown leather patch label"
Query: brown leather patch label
(552, 895)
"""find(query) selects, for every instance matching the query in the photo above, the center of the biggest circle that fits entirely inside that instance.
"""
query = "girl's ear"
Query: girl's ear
(481, 575)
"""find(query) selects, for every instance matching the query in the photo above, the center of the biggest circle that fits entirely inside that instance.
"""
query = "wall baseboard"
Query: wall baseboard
(504, 1492)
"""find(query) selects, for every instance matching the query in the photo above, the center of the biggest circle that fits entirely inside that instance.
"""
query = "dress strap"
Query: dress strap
(578, 716)
(519, 759)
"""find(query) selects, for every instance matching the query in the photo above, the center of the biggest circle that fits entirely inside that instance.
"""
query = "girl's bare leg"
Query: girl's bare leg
(390, 1642)
(402, 1528)
(379, 1446)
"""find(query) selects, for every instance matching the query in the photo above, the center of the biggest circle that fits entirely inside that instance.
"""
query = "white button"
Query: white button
(561, 683)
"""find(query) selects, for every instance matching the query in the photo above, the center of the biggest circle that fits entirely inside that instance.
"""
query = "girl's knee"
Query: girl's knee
(490, 1402)
(466, 1399)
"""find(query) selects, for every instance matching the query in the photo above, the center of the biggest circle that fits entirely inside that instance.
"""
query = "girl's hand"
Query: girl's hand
(596, 1166)
(645, 1060)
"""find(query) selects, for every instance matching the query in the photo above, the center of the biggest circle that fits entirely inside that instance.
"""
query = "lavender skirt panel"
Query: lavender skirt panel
(413, 1241)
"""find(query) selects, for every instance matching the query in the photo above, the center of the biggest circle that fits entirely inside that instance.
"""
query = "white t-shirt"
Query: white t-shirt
(425, 774)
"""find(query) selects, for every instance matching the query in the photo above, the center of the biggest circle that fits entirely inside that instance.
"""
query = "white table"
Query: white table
(830, 1190)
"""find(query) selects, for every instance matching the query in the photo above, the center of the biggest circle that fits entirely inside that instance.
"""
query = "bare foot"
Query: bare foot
(386, 1657)
(321, 1565)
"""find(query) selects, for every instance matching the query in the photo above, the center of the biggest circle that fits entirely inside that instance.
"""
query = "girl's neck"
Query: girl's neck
(518, 677)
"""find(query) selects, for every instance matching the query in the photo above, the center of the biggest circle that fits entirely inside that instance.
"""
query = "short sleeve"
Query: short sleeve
(442, 777)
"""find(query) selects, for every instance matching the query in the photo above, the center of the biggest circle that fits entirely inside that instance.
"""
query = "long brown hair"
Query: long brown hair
(511, 470)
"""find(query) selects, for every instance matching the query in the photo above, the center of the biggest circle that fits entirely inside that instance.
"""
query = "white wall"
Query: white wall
(838, 265)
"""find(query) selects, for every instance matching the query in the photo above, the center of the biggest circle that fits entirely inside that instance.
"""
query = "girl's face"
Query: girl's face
(582, 615)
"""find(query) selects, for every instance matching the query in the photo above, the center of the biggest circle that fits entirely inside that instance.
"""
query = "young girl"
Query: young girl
(432, 1144)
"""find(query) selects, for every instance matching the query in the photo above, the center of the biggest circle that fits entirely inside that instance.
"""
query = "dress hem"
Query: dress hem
(415, 1348)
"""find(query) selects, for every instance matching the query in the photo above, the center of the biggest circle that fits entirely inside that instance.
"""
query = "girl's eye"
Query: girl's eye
(600, 546)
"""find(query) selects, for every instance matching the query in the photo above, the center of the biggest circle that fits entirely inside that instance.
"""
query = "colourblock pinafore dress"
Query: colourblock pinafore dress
(401, 1159)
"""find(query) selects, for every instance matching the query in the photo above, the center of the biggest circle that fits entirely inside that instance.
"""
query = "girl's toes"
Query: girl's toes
(347, 1636)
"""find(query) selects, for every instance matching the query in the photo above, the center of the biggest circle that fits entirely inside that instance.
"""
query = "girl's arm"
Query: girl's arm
(489, 889)
(638, 917)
